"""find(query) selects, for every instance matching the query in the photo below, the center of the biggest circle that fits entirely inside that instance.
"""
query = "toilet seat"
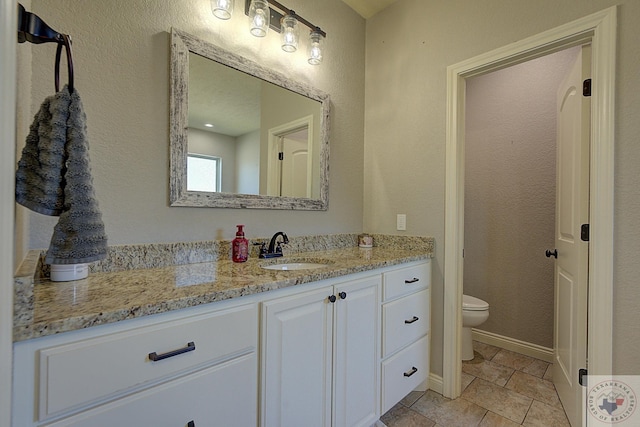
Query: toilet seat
(470, 303)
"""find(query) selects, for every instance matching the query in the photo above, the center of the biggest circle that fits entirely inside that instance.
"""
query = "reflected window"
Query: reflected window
(204, 173)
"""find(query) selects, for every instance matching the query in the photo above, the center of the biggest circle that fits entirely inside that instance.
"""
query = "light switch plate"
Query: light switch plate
(401, 222)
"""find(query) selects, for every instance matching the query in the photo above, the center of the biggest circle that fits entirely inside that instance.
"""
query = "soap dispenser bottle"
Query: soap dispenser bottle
(240, 246)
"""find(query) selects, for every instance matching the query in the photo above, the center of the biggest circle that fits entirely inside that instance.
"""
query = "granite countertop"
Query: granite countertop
(45, 308)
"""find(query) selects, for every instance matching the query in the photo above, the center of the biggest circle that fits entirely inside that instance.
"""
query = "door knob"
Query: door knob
(550, 254)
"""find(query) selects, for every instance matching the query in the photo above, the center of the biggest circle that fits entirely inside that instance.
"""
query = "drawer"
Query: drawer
(224, 395)
(406, 280)
(403, 372)
(91, 370)
(405, 320)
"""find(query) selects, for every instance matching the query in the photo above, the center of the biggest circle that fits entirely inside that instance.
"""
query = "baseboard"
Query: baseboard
(435, 383)
(512, 344)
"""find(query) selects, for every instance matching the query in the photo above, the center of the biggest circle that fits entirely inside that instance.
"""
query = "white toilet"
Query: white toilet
(474, 313)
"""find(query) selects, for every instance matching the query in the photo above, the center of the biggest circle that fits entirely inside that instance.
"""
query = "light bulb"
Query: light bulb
(222, 8)
(259, 15)
(290, 32)
(316, 47)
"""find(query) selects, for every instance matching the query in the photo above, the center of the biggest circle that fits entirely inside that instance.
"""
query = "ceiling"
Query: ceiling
(368, 8)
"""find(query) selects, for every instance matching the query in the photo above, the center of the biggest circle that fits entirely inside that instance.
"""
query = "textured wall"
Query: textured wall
(510, 172)
(408, 49)
(121, 53)
(24, 116)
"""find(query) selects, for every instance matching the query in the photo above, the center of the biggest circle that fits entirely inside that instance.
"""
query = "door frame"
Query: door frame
(273, 166)
(8, 43)
(599, 29)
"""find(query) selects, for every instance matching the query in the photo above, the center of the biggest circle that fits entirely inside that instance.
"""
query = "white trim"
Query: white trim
(435, 383)
(273, 167)
(599, 29)
(512, 344)
(8, 22)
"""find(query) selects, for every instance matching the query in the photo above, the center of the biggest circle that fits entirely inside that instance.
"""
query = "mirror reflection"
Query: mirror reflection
(228, 110)
(243, 136)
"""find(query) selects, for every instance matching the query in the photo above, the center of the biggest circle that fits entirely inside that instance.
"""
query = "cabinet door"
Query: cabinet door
(222, 395)
(356, 355)
(297, 360)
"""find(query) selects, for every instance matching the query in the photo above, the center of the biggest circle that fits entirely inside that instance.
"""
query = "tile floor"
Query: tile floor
(500, 388)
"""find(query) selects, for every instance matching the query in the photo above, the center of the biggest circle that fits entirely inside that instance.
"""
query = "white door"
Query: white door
(356, 363)
(297, 333)
(572, 210)
(294, 168)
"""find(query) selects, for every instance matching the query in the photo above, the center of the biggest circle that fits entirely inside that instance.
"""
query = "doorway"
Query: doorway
(510, 200)
(598, 29)
(521, 123)
(290, 159)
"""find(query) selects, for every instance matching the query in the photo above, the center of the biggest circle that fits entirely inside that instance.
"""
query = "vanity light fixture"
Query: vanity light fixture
(270, 13)
(290, 32)
(260, 16)
(222, 8)
(316, 46)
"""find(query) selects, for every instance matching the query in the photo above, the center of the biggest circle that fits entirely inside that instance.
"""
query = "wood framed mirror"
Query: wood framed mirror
(241, 135)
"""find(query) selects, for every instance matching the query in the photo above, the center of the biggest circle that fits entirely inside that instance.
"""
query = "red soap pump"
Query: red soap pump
(240, 246)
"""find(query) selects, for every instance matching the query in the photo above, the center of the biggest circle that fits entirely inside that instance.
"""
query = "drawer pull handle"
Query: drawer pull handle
(411, 372)
(414, 280)
(191, 424)
(155, 356)
(415, 319)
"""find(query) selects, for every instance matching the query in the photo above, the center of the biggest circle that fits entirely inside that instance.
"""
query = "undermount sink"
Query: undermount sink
(287, 266)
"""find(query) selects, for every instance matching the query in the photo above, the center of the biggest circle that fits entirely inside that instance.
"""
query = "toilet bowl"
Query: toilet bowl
(474, 313)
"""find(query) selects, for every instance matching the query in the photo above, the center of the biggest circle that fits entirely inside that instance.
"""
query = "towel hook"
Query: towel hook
(32, 29)
(66, 42)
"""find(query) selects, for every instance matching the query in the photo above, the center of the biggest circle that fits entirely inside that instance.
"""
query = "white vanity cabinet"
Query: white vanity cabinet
(321, 356)
(183, 368)
(333, 353)
(405, 331)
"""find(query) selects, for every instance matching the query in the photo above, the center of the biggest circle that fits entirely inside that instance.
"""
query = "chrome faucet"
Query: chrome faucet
(275, 246)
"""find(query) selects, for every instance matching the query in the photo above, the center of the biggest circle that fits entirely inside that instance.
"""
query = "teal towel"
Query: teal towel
(54, 178)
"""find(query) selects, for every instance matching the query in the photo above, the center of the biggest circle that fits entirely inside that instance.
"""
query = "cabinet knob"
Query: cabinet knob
(342, 295)
(411, 372)
(332, 298)
(191, 424)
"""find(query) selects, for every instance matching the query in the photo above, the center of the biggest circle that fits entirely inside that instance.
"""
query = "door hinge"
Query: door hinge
(581, 374)
(584, 232)
(586, 87)
(281, 156)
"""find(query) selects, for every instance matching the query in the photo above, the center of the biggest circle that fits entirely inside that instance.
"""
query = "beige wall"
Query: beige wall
(408, 49)
(121, 54)
(24, 116)
(280, 107)
(510, 195)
